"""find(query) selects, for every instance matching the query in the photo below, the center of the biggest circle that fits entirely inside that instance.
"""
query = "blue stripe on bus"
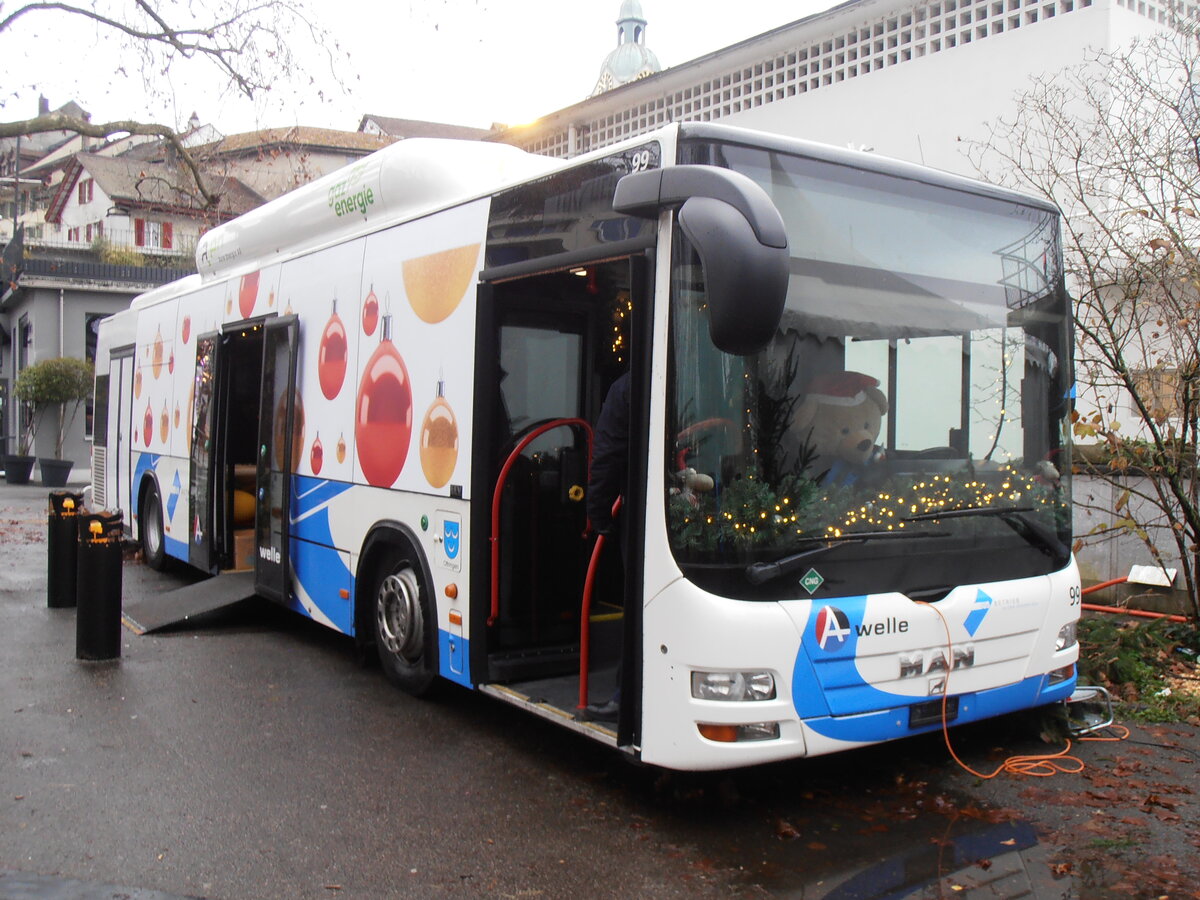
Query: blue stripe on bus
(454, 657)
(175, 547)
(308, 495)
(892, 722)
(831, 696)
(148, 462)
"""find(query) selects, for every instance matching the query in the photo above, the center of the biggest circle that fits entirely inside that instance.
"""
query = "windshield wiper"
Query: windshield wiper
(1015, 517)
(762, 572)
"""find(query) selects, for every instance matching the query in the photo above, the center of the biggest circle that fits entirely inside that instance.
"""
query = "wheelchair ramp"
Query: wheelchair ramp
(176, 607)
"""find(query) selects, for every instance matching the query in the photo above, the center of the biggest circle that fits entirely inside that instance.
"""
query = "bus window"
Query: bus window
(540, 378)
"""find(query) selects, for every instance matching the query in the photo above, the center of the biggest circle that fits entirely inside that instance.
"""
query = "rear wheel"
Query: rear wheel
(154, 550)
(404, 625)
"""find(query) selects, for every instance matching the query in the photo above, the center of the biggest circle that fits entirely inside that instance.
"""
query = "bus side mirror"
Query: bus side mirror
(739, 236)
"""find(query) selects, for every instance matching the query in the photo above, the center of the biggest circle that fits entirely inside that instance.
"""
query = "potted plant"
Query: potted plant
(53, 384)
(19, 466)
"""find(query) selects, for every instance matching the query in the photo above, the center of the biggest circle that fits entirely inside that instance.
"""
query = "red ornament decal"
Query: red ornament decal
(248, 294)
(148, 425)
(317, 456)
(171, 364)
(187, 328)
(383, 416)
(370, 313)
(331, 358)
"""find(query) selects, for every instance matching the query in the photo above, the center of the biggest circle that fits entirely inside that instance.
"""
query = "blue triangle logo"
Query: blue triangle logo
(980, 609)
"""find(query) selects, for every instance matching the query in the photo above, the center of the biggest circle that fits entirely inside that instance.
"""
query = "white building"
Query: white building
(909, 80)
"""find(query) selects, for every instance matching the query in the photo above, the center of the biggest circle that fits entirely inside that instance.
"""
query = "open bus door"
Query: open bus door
(120, 371)
(279, 420)
(204, 395)
(556, 341)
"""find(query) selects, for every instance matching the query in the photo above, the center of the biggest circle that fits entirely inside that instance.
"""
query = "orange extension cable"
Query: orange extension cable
(1037, 766)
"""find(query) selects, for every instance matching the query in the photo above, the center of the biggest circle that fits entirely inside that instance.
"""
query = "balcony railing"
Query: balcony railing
(94, 270)
(114, 242)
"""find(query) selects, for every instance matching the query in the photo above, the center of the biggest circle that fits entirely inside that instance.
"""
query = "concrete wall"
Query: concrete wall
(1107, 556)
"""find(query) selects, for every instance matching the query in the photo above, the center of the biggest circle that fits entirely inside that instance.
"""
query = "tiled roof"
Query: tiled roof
(408, 128)
(141, 183)
(297, 135)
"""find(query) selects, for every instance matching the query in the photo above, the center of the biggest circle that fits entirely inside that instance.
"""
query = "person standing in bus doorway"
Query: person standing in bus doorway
(606, 482)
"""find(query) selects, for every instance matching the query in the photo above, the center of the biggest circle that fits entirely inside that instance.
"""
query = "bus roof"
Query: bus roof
(410, 178)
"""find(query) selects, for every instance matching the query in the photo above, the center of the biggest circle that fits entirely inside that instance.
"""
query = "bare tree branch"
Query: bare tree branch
(106, 130)
(1116, 143)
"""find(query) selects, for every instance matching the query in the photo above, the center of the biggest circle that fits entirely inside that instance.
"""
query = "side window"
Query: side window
(99, 417)
(541, 369)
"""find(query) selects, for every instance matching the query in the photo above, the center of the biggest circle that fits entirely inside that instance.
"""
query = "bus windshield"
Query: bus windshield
(906, 429)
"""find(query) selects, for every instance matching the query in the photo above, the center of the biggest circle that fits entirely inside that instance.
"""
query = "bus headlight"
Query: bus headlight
(735, 686)
(1067, 636)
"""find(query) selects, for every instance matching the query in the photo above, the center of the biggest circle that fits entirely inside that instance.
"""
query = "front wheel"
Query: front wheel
(405, 634)
(154, 550)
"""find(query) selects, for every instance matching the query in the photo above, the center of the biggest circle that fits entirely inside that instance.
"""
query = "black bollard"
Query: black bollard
(98, 621)
(62, 541)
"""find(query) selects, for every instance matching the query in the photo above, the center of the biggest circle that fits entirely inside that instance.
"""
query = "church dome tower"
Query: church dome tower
(631, 59)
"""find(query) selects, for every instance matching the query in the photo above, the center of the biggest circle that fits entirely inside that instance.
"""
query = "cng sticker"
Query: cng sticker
(811, 581)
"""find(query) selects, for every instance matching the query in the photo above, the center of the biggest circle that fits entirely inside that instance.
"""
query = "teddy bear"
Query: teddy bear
(838, 423)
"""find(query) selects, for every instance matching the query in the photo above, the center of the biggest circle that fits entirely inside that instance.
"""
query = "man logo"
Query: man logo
(832, 625)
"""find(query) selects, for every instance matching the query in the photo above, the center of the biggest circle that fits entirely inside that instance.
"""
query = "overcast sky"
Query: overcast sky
(468, 62)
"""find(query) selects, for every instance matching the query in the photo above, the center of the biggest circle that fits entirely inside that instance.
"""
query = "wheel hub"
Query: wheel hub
(398, 611)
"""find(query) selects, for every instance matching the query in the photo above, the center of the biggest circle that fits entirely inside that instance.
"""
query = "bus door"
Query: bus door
(225, 482)
(120, 371)
(280, 420)
(560, 343)
(204, 394)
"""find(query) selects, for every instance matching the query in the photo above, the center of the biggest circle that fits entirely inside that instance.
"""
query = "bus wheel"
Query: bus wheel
(403, 627)
(154, 550)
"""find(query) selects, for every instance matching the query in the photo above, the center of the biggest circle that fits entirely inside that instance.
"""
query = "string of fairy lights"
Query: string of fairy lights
(749, 511)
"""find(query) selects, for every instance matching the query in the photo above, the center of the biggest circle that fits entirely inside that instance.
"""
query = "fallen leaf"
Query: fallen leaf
(785, 830)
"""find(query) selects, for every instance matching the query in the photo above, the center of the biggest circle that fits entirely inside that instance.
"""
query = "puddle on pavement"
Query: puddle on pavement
(874, 826)
(966, 859)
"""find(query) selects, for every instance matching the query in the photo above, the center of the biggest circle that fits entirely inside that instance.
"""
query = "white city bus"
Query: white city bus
(375, 397)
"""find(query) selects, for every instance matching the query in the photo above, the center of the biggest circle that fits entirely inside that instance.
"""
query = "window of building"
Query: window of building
(1159, 389)
(86, 190)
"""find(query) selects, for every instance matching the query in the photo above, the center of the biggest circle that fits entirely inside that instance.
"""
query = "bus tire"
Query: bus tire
(150, 519)
(403, 623)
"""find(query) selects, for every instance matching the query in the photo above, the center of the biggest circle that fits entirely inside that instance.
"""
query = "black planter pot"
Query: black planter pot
(55, 471)
(17, 468)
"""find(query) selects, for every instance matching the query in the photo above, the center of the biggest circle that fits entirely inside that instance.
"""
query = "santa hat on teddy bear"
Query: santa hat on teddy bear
(841, 388)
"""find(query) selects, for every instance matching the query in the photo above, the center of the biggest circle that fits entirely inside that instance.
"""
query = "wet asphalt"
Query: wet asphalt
(254, 755)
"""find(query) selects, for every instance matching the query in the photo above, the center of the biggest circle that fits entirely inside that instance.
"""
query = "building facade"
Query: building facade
(909, 80)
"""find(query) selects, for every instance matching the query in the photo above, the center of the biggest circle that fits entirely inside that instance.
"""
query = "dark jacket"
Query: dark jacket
(610, 456)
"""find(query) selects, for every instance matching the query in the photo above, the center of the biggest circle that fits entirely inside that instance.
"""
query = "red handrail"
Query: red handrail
(500, 481)
(585, 613)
